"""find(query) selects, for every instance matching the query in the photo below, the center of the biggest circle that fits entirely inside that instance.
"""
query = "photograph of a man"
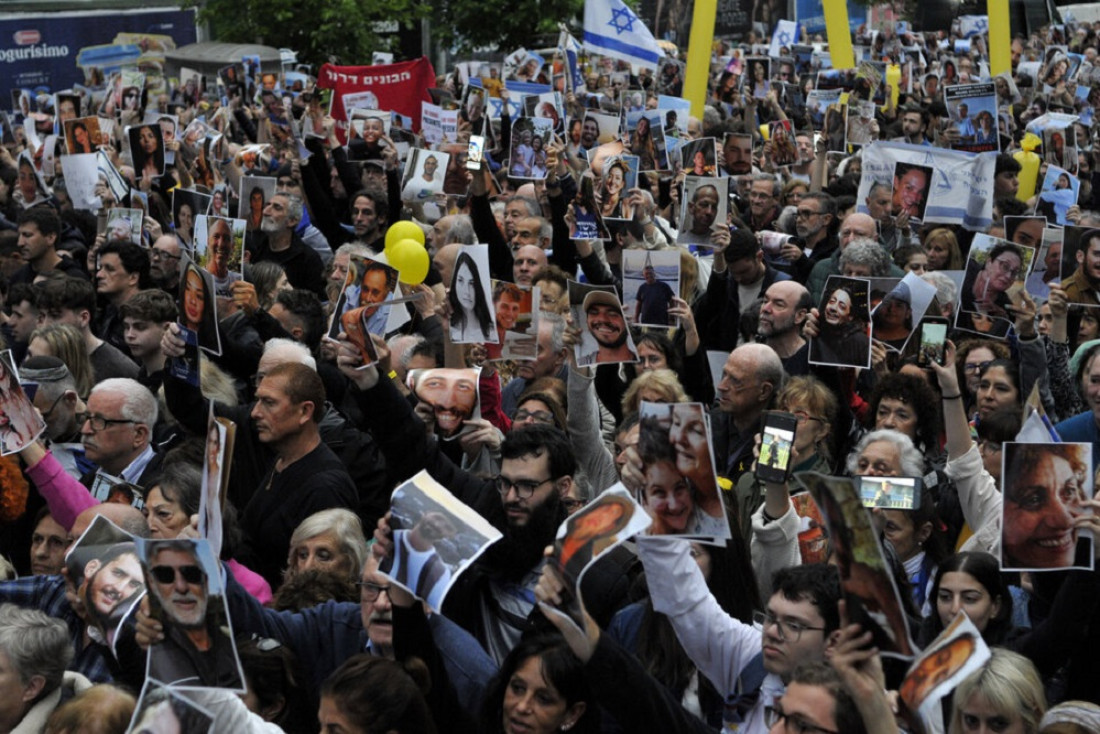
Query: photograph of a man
(187, 599)
(369, 283)
(911, 190)
(219, 254)
(605, 337)
(707, 202)
(651, 280)
(842, 325)
(448, 398)
(416, 564)
(105, 572)
(1081, 272)
(517, 322)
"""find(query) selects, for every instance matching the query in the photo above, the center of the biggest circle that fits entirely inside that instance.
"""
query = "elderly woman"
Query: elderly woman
(654, 386)
(330, 540)
(35, 650)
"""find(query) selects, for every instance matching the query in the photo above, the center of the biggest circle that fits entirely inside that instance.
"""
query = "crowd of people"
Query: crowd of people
(742, 615)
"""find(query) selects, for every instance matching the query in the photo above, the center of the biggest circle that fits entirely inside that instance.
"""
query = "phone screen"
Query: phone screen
(776, 441)
(890, 493)
(933, 336)
(474, 152)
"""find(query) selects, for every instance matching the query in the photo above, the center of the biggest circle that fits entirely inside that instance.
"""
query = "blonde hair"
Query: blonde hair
(344, 525)
(663, 381)
(1010, 684)
(67, 344)
(955, 259)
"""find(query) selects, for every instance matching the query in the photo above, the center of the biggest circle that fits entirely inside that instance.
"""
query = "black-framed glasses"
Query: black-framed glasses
(539, 416)
(371, 590)
(976, 366)
(524, 487)
(161, 255)
(792, 723)
(790, 630)
(801, 416)
(99, 423)
(167, 574)
(54, 406)
(572, 505)
(805, 213)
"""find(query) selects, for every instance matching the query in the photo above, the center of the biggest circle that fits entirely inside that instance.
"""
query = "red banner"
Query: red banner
(398, 87)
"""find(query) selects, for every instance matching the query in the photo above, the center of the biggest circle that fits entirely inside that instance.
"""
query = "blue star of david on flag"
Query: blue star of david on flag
(631, 40)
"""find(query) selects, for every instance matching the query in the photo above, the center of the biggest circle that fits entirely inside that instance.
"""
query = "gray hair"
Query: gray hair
(294, 206)
(767, 177)
(534, 208)
(461, 231)
(342, 523)
(912, 461)
(299, 352)
(138, 404)
(946, 290)
(862, 251)
(36, 644)
(557, 329)
(353, 249)
(402, 345)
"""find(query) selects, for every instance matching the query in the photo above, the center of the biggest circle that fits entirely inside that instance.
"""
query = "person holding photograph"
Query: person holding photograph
(843, 338)
(985, 287)
(197, 312)
(471, 320)
(613, 203)
(219, 251)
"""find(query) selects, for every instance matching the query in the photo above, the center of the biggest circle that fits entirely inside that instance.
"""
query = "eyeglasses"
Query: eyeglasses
(540, 416)
(52, 407)
(802, 416)
(161, 255)
(167, 574)
(789, 629)
(524, 487)
(975, 366)
(371, 590)
(1006, 268)
(98, 422)
(792, 723)
(572, 505)
(805, 213)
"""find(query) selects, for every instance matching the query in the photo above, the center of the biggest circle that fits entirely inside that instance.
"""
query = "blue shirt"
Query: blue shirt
(1081, 429)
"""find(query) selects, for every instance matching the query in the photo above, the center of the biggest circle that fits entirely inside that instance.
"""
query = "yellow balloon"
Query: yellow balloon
(411, 260)
(403, 230)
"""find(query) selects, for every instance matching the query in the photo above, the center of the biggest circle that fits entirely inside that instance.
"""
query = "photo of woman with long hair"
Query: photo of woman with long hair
(613, 202)
(197, 309)
(471, 318)
(147, 150)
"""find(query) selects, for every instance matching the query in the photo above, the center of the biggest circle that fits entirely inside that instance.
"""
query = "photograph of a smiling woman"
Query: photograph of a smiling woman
(1046, 487)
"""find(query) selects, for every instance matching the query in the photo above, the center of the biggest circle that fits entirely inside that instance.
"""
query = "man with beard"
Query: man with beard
(738, 153)
(277, 242)
(1084, 284)
(784, 310)
(164, 263)
(607, 328)
(703, 209)
(112, 581)
(493, 598)
(814, 224)
(449, 397)
(195, 650)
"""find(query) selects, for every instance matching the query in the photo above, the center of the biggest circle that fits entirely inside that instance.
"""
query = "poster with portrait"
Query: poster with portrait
(781, 144)
(647, 141)
(996, 271)
(605, 338)
(124, 225)
(424, 173)
(186, 205)
(169, 710)
(169, 124)
(219, 250)
(82, 135)
(897, 311)
(530, 138)
(843, 321)
(1058, 193)
(700, 157)
(949, 659)
(705, 204)
(435, 538)
(586, 222)
(187, 597)
(972, 108)
(1079, 265)
(866, 581)
(610, 519)
(253, 195)
(517, 317)
(680, 489)
(756, 81)
(548, 106)
(1047, 268)
(449, 397)
(1060, 147)
(220, 437)
(817, 102)
(198, 309)
(20, 423)
(105, 570)
(651, 279)
(370, 284)
(911, 183)
(128, 90)
(1046, 486)
(473, 321)
(146, 150)
(619, 176)
(859, 122)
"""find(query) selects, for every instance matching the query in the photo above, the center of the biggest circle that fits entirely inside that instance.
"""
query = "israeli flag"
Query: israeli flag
(973, 25)
(612, 29)
(570, 50)
(785, 34)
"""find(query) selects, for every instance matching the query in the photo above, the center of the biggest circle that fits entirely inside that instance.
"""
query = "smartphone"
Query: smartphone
(933, 338)
(890, 493)
(774, 462)
(474, 152)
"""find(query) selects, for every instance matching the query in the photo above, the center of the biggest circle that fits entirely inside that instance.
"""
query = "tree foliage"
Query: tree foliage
(500, 24)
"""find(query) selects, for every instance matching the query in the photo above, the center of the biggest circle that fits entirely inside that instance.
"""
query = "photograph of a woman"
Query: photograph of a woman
(186, 205)
(613, 202)
(254, 194)
(20, 423)
(197, 306)
(80, 137)
(472, 320)
(147, 150)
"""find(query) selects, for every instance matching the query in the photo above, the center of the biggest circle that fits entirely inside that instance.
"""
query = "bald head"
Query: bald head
(127, 517)
(857, 225)
(530, 260)
(444, 260)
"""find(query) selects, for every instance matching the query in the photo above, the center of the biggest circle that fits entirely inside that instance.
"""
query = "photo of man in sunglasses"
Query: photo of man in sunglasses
(198, 648)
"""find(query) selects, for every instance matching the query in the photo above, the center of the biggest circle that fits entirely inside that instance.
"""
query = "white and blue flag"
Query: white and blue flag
(785, 34)
(612, 29)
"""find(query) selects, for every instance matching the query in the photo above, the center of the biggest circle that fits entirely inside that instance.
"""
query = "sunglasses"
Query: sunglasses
(167, 574)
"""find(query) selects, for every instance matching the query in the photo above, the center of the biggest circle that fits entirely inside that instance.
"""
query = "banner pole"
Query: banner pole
(698, 57)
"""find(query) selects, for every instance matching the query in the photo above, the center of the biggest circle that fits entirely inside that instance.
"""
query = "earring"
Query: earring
(567, 726)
